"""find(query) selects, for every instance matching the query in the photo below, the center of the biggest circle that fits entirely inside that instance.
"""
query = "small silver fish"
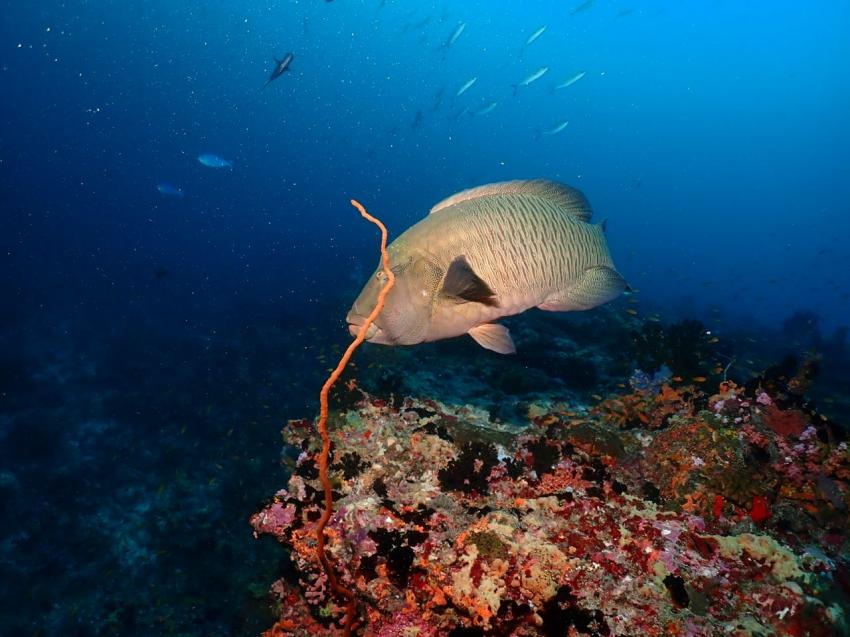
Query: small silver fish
(169, 190)
(214, 161)
(455, 34)
(487, 109)
(535, 35)
(575, 78)
(556, 129)
(535, 76)
(463, 89)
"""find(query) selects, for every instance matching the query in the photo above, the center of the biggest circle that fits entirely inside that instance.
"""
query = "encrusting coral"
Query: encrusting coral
(452, 529)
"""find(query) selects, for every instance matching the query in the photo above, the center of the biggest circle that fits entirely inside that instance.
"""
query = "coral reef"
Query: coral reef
(663, 510)
(129, 466)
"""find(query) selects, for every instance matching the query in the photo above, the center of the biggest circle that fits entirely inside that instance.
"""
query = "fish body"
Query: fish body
(214, 161)
(281, 66)
(535, 35)
(438, 99)
(485, 253)
(461, 113)
(417, 120)
(575, 78)
(466, 85)
(487, 109)
(169, 190)
(557, 128)
(455, 34)
(584, 6)
(534, 76)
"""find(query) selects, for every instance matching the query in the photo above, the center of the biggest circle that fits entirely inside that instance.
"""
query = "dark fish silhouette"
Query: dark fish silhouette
(280, 69)
(438, 99)
(584, 6)
(417, 120)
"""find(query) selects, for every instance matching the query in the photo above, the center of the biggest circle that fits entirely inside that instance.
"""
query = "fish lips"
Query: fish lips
(355, 324)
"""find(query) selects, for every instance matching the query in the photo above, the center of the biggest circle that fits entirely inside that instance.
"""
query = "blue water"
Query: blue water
(713, 136)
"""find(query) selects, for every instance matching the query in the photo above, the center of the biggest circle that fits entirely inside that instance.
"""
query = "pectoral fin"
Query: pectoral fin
(597, 286)
(494, 337)
(463, 284)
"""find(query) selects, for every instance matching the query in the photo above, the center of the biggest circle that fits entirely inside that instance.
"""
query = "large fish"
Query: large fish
(490, 252)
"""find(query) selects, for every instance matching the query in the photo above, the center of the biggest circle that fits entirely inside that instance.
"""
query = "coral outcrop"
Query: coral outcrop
(664, 510)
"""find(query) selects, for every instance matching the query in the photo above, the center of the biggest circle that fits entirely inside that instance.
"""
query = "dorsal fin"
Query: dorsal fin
(570, 199)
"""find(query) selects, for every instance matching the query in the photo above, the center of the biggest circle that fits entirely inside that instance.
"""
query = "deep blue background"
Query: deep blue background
(712, 135)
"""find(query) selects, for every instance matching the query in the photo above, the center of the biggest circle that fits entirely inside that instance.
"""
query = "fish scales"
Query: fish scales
(503, 238)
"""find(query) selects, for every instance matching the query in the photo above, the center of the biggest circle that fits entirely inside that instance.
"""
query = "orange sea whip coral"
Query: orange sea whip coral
(339, 589)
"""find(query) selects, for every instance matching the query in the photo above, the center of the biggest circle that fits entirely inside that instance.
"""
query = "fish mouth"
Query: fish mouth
(355, 324)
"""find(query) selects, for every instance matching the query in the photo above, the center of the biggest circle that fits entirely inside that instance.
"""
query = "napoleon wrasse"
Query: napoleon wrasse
(490, 252)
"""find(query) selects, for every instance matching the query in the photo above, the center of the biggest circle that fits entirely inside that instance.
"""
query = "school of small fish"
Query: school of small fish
(449, 40)
(488, 104)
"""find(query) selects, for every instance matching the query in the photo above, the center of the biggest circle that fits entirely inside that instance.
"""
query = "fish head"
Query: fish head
(406, 315)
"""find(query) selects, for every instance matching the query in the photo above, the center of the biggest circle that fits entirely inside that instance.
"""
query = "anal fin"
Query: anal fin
(494, 337)
(597, 285)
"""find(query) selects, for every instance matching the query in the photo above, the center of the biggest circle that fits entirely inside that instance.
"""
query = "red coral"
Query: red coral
(760, 510)
(717, 508)
(785, 422)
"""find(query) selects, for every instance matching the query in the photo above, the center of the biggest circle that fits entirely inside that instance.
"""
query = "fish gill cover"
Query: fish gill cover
(178, 258)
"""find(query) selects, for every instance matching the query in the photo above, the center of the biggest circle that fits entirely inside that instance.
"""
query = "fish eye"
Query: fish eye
(380, 275)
